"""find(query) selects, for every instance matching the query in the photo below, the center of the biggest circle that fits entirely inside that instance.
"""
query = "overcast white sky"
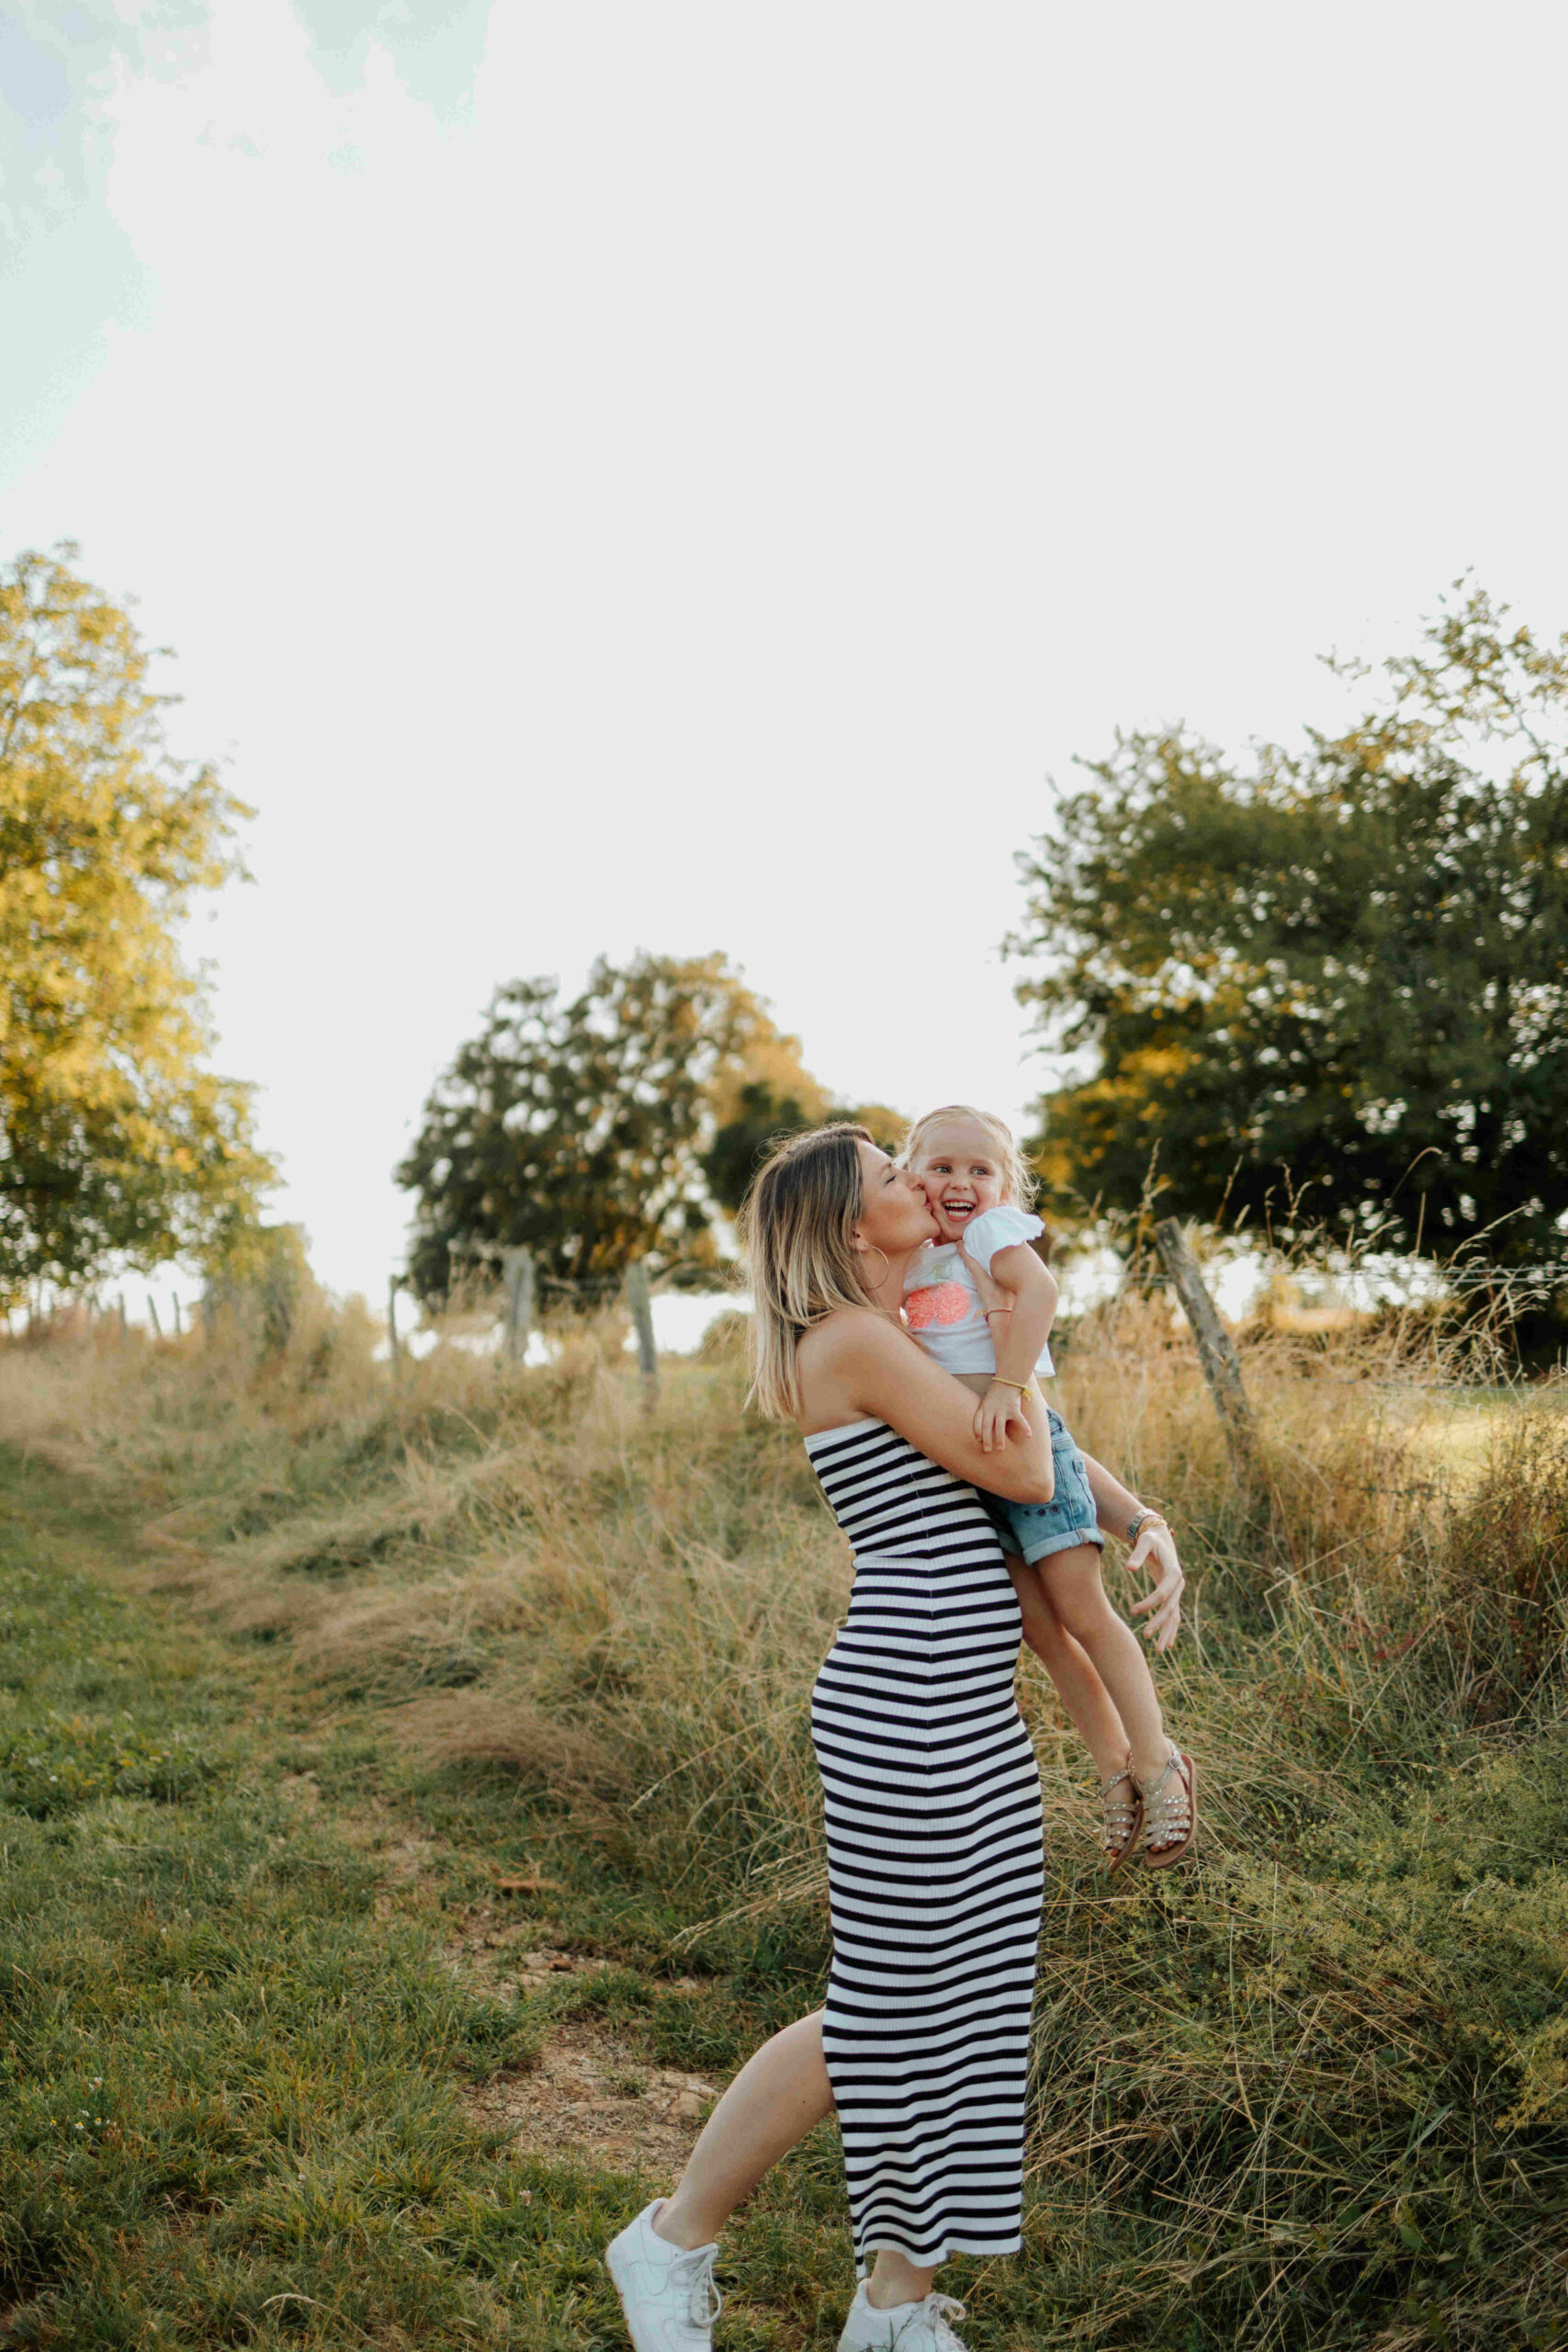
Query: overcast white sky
(685, 475)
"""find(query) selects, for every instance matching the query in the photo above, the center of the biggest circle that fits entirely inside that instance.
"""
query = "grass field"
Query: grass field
(409, 1819)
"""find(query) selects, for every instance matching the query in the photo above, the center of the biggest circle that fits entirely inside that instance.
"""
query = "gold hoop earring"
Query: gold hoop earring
(887, 1268)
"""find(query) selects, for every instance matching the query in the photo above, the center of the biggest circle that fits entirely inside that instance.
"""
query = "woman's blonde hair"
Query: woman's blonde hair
(796, 1229)
(1018, 1181)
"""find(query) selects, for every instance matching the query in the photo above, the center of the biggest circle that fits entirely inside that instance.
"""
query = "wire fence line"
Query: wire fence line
(521, 1282)
(526, 1287)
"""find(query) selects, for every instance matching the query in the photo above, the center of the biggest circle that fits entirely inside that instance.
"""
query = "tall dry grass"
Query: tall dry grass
(1313, 2089)
(647, 1598)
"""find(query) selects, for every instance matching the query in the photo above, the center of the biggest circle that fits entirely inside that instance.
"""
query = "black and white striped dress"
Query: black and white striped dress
(934, 1862)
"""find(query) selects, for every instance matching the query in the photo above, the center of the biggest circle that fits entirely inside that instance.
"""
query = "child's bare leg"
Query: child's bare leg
(1077, 1678)
(1071, 1579)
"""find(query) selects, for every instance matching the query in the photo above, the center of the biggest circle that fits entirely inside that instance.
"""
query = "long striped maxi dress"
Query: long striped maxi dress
(934, 1863)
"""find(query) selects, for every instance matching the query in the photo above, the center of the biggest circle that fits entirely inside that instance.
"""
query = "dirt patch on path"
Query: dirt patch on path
(593, 2096)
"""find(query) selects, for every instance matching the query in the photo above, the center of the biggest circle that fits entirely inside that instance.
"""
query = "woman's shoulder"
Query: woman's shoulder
(844, 1360)
(847, 1331)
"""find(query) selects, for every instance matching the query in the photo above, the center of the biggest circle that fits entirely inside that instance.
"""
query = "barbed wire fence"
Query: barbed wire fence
(1498, 1294)
(526, 1287)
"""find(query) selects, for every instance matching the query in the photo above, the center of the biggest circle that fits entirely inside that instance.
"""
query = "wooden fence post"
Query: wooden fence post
(392, 1326)
(177, 1326)
(517, 1265)
(153, 1317)
(124, 1325)
(1216, 1349)
(641, 1303)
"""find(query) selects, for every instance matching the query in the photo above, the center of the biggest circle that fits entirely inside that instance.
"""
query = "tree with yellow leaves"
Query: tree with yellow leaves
(118, 1144)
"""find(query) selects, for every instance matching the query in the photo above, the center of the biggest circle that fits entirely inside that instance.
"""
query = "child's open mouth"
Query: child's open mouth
(956, 1212)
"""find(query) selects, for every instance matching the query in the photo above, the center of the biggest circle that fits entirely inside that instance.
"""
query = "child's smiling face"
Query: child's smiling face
(961, 1175)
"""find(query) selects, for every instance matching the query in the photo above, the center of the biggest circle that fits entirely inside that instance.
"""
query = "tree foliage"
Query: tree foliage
(579, 1129)
(762, 1116)
(116, 1142)
(1338, 976)
(742, 1143)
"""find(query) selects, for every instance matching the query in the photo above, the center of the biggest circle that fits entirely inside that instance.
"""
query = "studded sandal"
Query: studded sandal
(1121, 1818)
(1170, 1815)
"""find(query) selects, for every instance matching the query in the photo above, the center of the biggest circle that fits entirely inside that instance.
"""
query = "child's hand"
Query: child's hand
(1000, 1409)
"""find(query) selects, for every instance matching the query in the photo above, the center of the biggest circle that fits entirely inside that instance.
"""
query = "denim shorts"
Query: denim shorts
(1033, 1531)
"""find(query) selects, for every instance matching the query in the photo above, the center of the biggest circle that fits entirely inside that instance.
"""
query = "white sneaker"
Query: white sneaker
(667, 2294)
(905, 2327)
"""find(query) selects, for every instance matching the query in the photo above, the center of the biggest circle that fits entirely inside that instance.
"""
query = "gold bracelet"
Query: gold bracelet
(1024, 1387)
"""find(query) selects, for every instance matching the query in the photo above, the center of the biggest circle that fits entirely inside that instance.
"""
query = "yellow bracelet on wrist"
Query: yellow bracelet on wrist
(1024, 1387)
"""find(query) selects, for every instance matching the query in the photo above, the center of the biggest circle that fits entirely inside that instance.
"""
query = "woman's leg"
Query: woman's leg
(1078, 1682)
(894, 2280)
(1078, 1597)
(781, 2090)
(780, 2093)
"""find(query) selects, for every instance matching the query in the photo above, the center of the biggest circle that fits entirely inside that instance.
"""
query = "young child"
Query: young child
(976, 1183)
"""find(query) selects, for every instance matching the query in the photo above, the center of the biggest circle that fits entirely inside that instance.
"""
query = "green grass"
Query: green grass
(1306, 2094)
(231, 2110)
(231, 2107)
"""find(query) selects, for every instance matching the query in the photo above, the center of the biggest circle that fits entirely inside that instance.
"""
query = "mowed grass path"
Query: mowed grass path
(233, 2052)
(235, 2044)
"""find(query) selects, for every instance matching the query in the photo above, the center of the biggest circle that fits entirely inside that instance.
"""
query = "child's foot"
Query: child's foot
(1170, 1812)
(1122, 1816)
(667, 2294)
(904, 2328)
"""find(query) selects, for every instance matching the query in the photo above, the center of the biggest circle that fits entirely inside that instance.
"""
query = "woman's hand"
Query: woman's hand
(1156, 1550)
(999, 1410)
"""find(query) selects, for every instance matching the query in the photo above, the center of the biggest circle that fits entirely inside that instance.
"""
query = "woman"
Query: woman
(933, 1796)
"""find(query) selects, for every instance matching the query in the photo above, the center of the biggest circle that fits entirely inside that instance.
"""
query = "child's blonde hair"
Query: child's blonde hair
(1019, 1181)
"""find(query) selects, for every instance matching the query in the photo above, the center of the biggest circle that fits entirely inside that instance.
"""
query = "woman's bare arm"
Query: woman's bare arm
(857, 1362)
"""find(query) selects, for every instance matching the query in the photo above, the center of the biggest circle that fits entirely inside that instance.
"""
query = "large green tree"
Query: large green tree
(116, 1142)
(1337, 974)
(578, 1129)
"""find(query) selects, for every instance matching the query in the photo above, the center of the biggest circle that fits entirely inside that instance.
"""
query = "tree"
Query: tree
(1339, 973)
(579, 1130)
(744, 1142)
(116, 1142)
(762, 1117)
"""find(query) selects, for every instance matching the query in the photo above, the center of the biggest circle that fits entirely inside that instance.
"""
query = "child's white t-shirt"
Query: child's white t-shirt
(941, 1305)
